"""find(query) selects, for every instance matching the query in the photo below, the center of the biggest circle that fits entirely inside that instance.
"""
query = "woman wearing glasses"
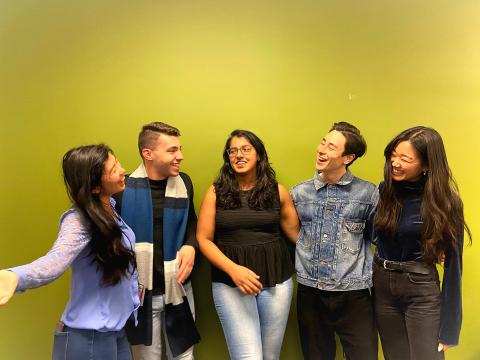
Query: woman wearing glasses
(240, 231)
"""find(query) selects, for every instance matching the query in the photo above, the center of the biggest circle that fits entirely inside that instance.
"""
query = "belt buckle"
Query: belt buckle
(385, 265)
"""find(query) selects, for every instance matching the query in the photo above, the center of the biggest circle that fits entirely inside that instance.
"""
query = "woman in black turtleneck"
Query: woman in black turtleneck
(419, 224)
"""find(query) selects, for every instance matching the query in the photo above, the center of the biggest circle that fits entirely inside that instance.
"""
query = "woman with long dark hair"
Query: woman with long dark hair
(419, 223)
(98, 245)
(240, 231)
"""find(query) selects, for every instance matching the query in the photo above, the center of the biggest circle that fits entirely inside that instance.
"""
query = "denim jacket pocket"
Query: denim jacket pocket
(352, 235)
(304, 240)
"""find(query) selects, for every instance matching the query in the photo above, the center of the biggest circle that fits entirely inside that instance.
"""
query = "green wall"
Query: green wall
(78, 72)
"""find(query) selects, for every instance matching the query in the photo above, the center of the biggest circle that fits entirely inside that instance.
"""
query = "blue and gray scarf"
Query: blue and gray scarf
(137, 211)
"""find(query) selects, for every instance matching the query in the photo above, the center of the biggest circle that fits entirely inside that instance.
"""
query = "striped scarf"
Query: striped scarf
(137, 211)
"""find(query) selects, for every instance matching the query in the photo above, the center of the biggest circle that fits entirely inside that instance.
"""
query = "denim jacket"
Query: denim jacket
(333, 250)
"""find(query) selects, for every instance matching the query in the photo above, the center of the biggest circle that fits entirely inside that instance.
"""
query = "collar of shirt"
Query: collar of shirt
(344, 180)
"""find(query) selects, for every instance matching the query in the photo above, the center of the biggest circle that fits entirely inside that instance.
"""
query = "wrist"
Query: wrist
(230, 268)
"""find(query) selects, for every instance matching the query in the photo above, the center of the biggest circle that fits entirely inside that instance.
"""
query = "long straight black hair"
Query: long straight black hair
(265, 191)
(82, 173)
(442, 208)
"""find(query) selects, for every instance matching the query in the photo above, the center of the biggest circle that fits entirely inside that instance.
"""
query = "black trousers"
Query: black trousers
(407, 310)
(321, 314)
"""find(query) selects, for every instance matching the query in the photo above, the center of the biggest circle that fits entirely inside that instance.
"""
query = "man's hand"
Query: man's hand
(186, 259)
(8, 285)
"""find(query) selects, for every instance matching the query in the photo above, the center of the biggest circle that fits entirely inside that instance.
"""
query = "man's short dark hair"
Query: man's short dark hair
(354, 142)
(150, 132)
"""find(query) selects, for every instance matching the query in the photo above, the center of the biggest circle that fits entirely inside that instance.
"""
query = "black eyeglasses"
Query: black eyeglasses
(245, 150)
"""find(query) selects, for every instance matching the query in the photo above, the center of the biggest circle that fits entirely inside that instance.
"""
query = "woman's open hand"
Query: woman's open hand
(8, 285)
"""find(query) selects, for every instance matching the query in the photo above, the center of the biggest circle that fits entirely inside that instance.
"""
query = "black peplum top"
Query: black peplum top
(253, 238)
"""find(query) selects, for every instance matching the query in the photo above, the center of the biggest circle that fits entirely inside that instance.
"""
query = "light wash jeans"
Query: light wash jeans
(154, 352)
(253, 325)
(78, 344)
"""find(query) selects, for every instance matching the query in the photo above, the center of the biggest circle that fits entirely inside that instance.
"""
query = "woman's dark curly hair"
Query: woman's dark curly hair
(265, 191)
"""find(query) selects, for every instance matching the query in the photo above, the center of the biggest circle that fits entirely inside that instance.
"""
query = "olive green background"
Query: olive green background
(78, 72)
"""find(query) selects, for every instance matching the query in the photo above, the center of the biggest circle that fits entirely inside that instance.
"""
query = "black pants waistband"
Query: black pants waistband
(417, 267)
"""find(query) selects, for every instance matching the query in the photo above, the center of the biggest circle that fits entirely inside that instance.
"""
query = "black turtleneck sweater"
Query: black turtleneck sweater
(407, 245)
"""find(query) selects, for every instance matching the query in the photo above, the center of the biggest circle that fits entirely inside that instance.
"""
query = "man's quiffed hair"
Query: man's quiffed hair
(150, 132)
(354, 142)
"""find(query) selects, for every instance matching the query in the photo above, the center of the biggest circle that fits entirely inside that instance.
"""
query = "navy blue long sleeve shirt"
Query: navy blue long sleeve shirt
(407, 246)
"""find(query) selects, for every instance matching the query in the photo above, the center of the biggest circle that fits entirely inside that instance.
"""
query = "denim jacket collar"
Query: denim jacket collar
(344, 180)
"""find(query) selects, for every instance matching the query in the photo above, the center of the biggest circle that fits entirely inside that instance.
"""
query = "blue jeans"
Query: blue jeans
(78, 344)
(253, 325)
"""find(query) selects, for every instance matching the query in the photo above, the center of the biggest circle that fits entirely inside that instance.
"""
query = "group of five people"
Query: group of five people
(131, 242)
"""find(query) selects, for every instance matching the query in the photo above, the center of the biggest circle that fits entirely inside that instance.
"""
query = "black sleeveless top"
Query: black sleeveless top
(252, 238)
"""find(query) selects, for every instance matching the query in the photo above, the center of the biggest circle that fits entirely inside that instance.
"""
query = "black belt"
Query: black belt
(417, 267)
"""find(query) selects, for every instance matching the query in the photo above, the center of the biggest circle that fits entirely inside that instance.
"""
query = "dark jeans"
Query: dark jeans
(77, 344)
(407, 310)
(321, 314)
